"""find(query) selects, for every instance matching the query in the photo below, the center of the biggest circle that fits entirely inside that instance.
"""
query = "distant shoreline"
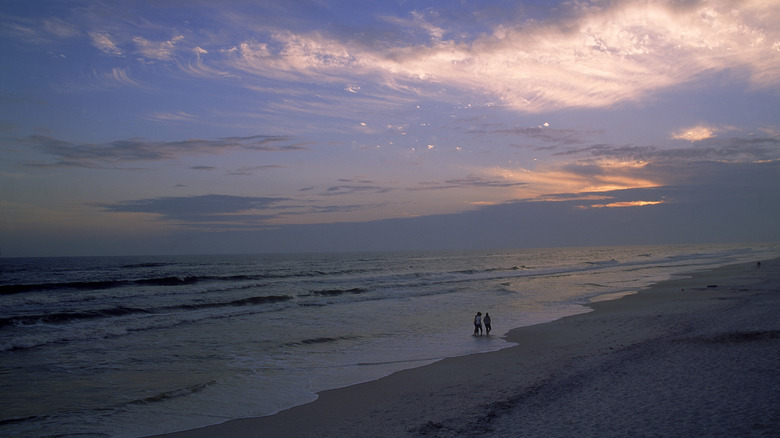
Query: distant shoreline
(601, 373)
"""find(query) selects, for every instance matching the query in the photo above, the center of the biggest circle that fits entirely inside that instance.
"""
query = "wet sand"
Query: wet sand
(696, 356)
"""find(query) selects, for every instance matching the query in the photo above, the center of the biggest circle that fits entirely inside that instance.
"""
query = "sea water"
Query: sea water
(132, 346)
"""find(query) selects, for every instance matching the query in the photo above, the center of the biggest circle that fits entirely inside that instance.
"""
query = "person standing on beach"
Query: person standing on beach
(487, 324)
(478, 324)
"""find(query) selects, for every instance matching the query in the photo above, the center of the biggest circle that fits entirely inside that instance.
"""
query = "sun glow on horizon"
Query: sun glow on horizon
(626, 204)
(549, 184)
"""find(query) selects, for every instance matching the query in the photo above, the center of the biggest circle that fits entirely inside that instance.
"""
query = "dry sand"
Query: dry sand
(668, 362)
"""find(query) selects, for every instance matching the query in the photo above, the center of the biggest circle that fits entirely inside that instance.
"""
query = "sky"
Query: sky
(190, 127)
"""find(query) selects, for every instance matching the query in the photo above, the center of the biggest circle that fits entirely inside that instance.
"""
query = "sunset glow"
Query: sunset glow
(626, 204)
(232, 122)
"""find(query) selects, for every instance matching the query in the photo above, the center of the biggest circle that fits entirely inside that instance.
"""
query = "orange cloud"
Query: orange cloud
(696, 133)
(548, 184)
(627, 204)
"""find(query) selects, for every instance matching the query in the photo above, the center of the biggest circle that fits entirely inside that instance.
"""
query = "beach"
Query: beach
(697, 355)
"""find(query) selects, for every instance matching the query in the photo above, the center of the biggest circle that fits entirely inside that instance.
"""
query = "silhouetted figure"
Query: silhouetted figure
(487, 324)
(478, 324)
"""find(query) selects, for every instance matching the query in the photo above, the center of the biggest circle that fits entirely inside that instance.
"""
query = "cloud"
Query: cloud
(225, 212)
(593, 55)
(476, 181)
(351, 189)
(61, 28)
(198, 209)
(305, 56)
(692, 214)
(159, 50)
(577, 54)
(98, 155)
(251, 170)
(418, 21)
(198, 68)
(602, 168)
(695, 133)
(623, 204)
(43, 31)
(172, 116)
(105, 43)
(543, 133)
(119, 76)
(746, 149)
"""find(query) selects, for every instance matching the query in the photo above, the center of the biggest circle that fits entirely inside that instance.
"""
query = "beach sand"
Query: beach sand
(697, 356)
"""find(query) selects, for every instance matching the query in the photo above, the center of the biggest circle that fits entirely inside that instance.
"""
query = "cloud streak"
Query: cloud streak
(226, 212)
(104, 42)
(200, 210)
(159, 50)
(119, 152)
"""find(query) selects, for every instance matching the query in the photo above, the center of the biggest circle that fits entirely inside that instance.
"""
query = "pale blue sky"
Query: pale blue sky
(174, 127)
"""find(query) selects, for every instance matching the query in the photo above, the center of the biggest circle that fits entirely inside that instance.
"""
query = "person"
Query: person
(478, 324)
(487, 324)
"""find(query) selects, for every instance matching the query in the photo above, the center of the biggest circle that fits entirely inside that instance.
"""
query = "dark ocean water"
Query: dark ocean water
(131, 346)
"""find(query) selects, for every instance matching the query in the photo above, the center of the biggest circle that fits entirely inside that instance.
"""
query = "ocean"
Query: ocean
(134, 346)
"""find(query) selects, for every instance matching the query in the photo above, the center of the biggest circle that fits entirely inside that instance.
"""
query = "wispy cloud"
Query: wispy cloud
(251, 170)
(120, 76)
(105, 43)
(602, 168)
(199, 210)
(177, 116)
(227, 212)
(38, 31)
(159, 50)
(597, 55)
(61, 28)
(470, 181)
(96, 155)
(589, 54)
(700, 132)
(745, 148)
(351, 188)
(624, 204)
(544, 133)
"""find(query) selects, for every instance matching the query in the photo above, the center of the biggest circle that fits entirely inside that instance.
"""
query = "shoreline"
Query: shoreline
(679, 357)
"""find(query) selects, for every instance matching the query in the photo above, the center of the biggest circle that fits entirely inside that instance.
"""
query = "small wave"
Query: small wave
(172, 280)
(176, 393)
(146, 265)
(603, 262)
(97, 285)
(594, 285)
(251, 301)
(21, 288)
(335, 292)
(480, 271)
(167, 281)
(391, 362)
(7, 421)
(67, 317)
(321, 340)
